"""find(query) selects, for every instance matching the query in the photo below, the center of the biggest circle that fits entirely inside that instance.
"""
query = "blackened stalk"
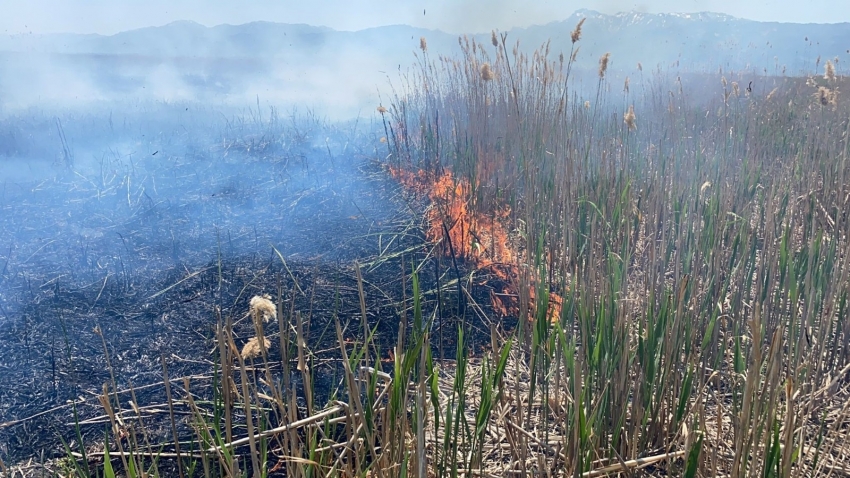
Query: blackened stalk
(167, 384)
(460, 298)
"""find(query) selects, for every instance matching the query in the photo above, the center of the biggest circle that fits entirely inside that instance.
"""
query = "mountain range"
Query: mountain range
(292, 61)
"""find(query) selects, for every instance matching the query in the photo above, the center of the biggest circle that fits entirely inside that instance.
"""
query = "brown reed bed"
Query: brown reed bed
(697, 235)
(695, 242)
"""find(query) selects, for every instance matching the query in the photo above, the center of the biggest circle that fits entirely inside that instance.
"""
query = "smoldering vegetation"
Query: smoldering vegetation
(149, 221)
(162, 190)
(588, 267)
(147, 196)
(132, 232)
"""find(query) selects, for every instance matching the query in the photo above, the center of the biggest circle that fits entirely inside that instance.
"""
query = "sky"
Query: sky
(454, 16)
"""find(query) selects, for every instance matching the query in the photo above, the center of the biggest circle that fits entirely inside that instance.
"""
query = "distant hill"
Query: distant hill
(185, 39)
(700, 40)
(294, 62)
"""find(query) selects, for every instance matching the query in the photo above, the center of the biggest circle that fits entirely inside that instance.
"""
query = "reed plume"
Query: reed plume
(772, 92)
(603, 65)
(629, 117)
(829, 71)
(493, 38)
(576, 34)
(254, 347)
(826, 97)
(262, 308)
(423, 44)
(486, 72)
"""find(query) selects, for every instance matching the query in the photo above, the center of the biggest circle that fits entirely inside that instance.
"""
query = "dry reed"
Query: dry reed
(486, 72)
(254, 347)
(829, 71)
(262, 308)
(629, 118)
(575, 36)
(603, 64)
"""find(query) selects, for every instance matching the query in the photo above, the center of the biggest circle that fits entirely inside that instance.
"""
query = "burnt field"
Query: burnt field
(510, 266)
(121, 255)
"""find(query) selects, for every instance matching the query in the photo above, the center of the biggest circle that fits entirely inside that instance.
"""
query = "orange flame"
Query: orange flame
(483, 242)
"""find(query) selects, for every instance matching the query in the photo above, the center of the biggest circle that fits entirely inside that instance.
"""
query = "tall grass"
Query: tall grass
(699, 243)
(681, 281)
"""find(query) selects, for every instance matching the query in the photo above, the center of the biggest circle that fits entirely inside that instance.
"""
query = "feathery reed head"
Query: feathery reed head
(829, 71)
(629, 118)
(262, 308)
(603, 64)
(254, 347)
(705, 190)
(493, 38)
(772, 92)
(640, 67)
(626, 85)
(826, 97)
(486, 72)
(423, 44)
(576, 34)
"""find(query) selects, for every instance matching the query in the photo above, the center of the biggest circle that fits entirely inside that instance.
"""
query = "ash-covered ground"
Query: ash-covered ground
(124, 240)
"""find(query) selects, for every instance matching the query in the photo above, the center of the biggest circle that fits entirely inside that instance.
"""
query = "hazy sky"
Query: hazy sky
(454, 16)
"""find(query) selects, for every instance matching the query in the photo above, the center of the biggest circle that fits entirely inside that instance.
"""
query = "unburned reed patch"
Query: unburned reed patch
(692, 232)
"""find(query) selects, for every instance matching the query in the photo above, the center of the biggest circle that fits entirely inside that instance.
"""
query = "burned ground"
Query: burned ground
(120, 263)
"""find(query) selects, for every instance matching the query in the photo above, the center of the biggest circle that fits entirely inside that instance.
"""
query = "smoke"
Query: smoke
(160, 148)
(335, 74)
(154, 187)
(28, 80)
(339, 87)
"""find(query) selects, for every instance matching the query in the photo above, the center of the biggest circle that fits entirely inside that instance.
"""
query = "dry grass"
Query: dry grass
(699, 262)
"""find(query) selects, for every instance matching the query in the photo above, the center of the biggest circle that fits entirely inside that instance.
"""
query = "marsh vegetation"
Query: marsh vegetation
(640, 275)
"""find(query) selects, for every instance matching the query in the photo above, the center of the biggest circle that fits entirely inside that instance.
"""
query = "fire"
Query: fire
(482, 241)
(452, 224)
